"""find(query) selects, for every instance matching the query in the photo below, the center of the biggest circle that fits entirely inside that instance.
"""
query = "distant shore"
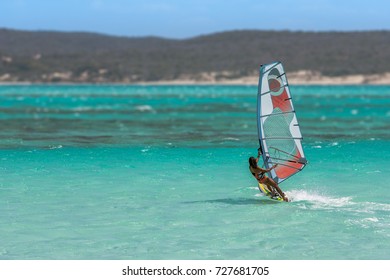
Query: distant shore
(294, 78)
(302, 77)
(222, 58)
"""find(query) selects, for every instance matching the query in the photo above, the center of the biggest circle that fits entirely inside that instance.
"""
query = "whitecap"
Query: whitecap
(364, 223)
(375, 171)
(144, 108)
(374, 206)
(53, 147)
(354, 111)
(373, 219)
(83, 109)
(231, 139)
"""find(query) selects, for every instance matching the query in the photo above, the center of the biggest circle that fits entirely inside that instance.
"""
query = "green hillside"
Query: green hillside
(42, 56)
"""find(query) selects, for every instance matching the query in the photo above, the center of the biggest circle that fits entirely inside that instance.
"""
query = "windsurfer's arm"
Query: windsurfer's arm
(258, 155)
(261, 170)
(273, 167)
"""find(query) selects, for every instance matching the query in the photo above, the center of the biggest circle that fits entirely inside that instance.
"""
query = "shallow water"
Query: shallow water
(160, 172)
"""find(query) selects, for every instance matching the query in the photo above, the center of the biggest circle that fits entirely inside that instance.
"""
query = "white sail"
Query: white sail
(278, 129)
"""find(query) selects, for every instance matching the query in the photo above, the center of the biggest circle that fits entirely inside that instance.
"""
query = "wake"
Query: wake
(318, 200)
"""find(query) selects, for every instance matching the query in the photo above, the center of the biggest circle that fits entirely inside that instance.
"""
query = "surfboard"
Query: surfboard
(279, 134)
(264, 189)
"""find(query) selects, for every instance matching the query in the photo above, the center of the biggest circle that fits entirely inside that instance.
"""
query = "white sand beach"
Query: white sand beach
(303, 77)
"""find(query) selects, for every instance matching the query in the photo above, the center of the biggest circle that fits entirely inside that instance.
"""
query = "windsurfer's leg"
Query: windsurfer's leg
(272, 183)
(269, 187)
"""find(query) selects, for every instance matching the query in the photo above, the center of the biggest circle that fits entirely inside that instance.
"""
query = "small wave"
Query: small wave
(231, 139)
(354, 112)
(83, 109)
(364, 223)
(375, 171)
(144, 108)
(3, 252)
(54, 147)
(92, 109)
(374, 207)
(373, 219)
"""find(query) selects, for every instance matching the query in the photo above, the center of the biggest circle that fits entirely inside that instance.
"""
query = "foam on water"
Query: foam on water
(144, 108)
(317, 200)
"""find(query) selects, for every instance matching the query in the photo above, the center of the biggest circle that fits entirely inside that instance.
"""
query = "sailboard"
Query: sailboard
(278, 129)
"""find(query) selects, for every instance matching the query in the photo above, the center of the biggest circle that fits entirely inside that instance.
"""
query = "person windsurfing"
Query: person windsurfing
(259, 174)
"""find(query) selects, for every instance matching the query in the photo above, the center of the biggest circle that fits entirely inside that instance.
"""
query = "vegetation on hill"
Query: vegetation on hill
(42, 56)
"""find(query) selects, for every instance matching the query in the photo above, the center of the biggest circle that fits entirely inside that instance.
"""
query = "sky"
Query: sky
(189, 18)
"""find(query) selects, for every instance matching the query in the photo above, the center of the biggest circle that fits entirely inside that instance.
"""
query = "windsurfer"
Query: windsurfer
(259, 174)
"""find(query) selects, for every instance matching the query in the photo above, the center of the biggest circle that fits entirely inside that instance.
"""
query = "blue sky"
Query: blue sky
(188, 18)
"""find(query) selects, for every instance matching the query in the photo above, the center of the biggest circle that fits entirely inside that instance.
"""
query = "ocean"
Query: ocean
(161, 172)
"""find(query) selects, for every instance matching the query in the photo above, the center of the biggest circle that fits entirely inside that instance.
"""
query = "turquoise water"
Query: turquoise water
(160, 172)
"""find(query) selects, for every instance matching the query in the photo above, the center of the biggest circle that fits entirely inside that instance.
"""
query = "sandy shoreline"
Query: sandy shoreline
(302, 77)
(294, 78)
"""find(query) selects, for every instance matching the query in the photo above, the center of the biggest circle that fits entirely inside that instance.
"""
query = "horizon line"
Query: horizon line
(195, 36)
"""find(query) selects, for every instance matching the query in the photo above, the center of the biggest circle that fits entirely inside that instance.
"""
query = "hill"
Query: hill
(42, 56)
